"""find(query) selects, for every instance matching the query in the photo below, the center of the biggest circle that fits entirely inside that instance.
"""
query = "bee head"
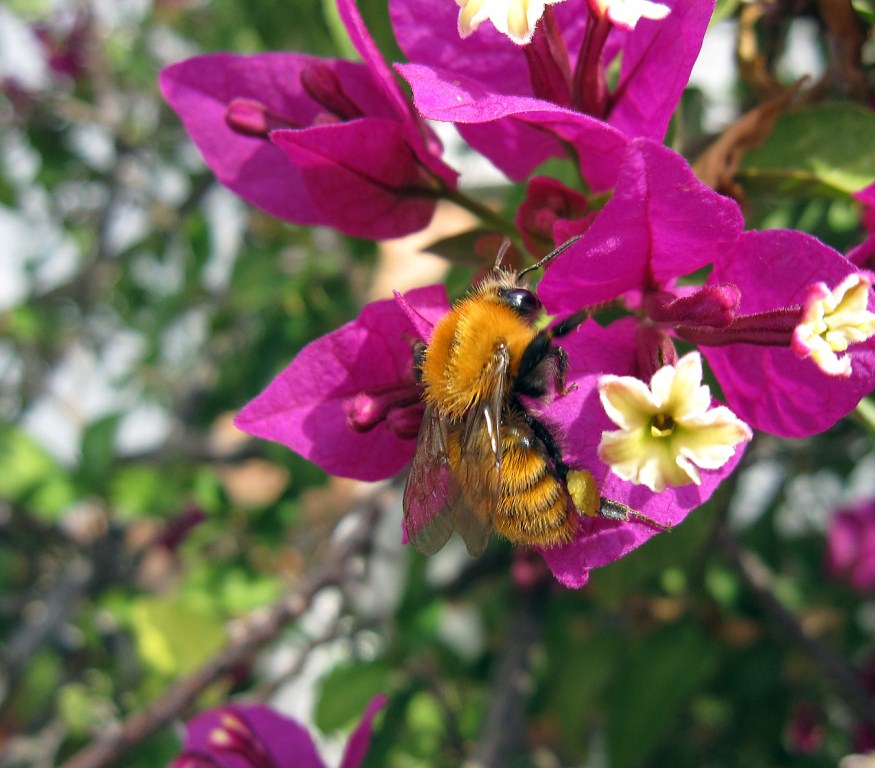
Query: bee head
(521, 300)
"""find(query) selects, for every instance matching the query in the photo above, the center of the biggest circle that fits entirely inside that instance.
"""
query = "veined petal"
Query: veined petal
(627, 401)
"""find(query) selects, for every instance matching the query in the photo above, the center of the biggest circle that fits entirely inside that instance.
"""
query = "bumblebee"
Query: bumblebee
(483, 461)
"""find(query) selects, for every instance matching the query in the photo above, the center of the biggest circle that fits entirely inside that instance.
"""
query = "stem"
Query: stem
(503, 731)
(865, 412)
(483, 212)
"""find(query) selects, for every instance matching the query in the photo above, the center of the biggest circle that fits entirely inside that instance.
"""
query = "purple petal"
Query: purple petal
(360, 739)
(428, 34)
(305, 406)
(592, 351)
(658, 57)
(202, 89)
(770, 387)
(423, 143)
(285, 740)
(423, 317)
(528, 130)
(866, 195)
(661, 223)
(361, 176)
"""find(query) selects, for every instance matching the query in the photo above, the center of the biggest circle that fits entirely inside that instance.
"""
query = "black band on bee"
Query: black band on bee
(530, 378)
(545, 436)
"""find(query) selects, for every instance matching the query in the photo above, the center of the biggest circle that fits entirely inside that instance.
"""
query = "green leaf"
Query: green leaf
(657, 678)
(821, 151)
(176, 636)
(98, 449)
(346, 691)
(32, 476)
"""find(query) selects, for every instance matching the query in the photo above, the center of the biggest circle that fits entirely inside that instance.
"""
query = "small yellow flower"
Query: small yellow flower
(832, 321)
(627, 13)
(515, 18)
(668, 431)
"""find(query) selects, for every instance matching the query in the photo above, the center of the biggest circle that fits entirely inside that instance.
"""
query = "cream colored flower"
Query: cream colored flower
(668, 431)
(515, 18)
(627, 13)
(832, 321)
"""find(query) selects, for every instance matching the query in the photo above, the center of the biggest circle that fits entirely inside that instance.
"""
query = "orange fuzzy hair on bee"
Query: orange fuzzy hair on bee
(454, 370)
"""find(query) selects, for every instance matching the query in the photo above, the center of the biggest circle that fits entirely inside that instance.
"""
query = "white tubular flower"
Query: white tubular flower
(668, 431)
(832, 321)
(515, 18)
(627, 13)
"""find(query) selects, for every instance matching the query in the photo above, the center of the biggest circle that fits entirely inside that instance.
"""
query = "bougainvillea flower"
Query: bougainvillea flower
(312, 140)
(565, 64)
(349, 401)
(256, 736)
(578, 419)
(514, 18)
(627, 13)
(770, 386)
(851, 545)
(662, 224)
(833, 320)
(551, 213)
(668, 430)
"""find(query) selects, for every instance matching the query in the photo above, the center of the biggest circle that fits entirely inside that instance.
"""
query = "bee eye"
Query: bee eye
(522, 300)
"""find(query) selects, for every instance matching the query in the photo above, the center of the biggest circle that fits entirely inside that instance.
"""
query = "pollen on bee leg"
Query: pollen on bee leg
(583, 491)
(833, 320)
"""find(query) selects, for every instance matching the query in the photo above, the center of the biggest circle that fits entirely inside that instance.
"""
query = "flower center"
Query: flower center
(661, 425)
(832, 320)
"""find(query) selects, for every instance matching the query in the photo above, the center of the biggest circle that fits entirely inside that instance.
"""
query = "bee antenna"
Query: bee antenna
(502, 250)
(550, 256)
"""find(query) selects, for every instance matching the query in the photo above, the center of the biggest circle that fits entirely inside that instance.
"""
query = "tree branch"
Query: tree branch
(261, 627)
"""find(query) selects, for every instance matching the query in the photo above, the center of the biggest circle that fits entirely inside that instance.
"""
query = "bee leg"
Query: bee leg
(615, 510)
(569, 324)
(419, 348)
(530, 380)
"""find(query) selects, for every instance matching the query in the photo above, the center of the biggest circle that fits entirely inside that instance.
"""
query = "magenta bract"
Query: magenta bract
(349, 401)
(285, 131)
(256, 736)
(656, 60)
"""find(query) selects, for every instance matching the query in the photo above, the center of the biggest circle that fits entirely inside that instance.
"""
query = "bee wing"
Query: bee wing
(476, 486)
(427, 493)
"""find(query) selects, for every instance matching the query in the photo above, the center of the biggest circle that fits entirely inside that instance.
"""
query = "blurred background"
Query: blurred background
(142, 536)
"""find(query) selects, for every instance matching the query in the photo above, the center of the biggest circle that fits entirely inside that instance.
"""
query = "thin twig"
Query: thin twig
(760, 582)
(503, 732)
(261, 628)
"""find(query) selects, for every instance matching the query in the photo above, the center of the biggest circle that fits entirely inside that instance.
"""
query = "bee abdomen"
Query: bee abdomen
(534, 508)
